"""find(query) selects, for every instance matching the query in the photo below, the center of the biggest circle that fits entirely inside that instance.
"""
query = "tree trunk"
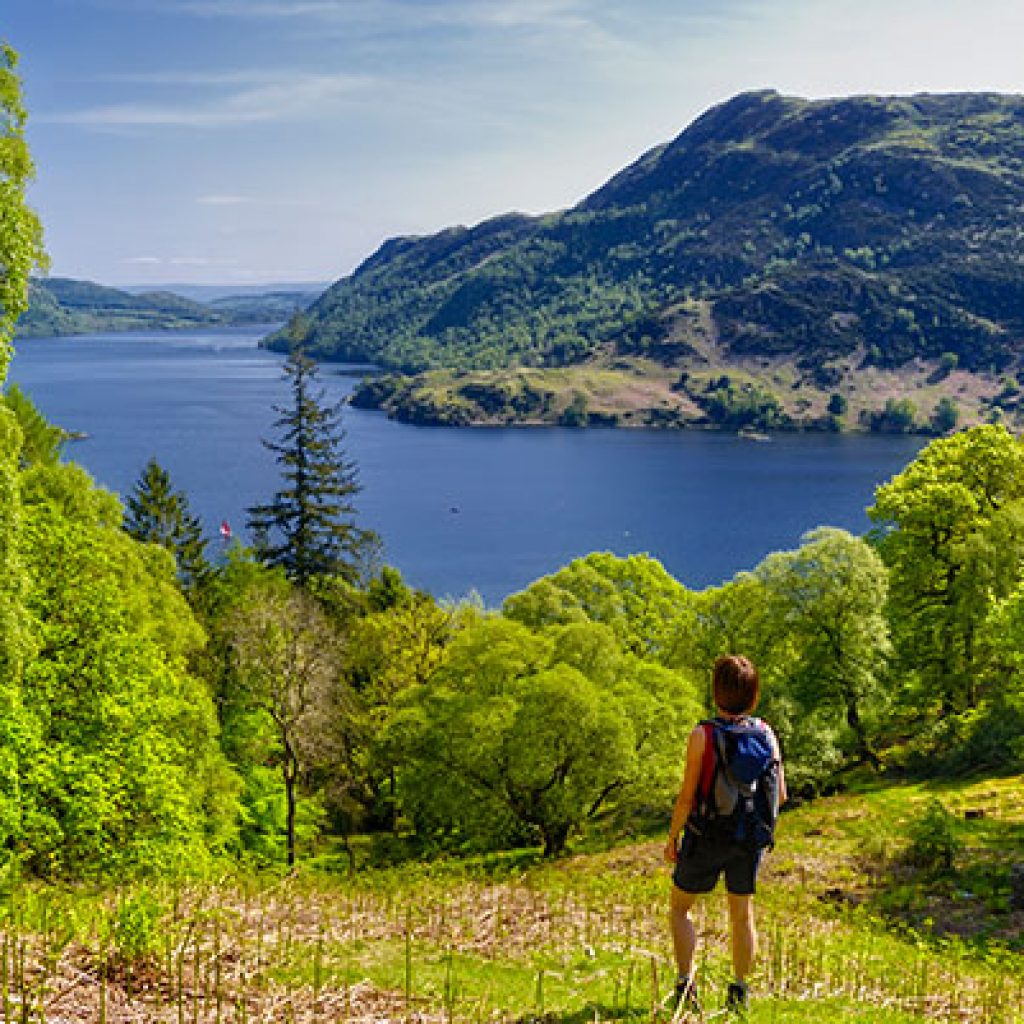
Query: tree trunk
(853, 719)
(970, 682)
(290, 777)
(555, 837)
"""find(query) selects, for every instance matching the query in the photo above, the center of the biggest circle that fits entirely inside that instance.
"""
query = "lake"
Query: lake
(459, 510)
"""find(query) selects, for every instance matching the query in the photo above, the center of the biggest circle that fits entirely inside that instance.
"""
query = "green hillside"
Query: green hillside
(61, 306)
(821, 237)
(263, 308)
(849, 930)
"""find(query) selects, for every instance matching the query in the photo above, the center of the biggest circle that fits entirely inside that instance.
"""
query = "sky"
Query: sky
(253, 141)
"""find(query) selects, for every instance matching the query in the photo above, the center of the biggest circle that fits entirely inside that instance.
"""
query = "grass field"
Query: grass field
(847, 934)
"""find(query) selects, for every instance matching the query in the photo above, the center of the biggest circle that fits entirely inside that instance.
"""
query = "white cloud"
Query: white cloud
(877, 46)
(200, 261)
(256, 9)
(225, 200)
(583, 23)
(198, 78)
(178, 261)
(285, 98)
(411, 12)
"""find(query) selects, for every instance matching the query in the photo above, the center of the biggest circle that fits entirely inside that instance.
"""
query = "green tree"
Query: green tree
(837, 404)
(575, 414)
(991, 738)
(526, 736)
(246, 734)
(21, 245)
(897, 417)
(158, 514)
(740, 617)
(952, 534)
(21, 249)
(829, 596)
(289, 672)
(309, 528)
(946, 415)
(17, 730)
(405, 644)
(41, 441)
(733, 617)
(648, 610)
(127, 771)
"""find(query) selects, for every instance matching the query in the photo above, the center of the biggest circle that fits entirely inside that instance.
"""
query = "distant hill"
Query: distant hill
(62, 306)
(832, 236)
(264, 307)
(209, 292)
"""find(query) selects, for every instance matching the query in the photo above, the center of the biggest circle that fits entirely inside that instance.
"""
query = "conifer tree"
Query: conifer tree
(158, 514)
(309, 528)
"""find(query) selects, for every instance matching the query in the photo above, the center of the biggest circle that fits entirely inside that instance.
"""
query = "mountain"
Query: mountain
(61, 306)
(798, 243)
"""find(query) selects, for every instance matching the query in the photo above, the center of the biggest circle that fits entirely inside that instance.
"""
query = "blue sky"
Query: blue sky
(246, 141)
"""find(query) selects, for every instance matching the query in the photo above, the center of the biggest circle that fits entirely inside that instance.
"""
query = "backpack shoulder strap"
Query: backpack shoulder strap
(707, 769)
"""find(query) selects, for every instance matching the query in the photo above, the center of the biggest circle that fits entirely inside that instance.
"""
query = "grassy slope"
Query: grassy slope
(583, 939)
(633, 391)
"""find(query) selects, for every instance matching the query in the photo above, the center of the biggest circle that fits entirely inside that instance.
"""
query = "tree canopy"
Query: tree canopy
(21, 235)
(952, 536)
(527, 734)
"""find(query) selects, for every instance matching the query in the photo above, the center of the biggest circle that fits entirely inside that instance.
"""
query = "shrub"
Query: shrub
(896, 418)
(837, 404)
(934, 844)
(135, 927)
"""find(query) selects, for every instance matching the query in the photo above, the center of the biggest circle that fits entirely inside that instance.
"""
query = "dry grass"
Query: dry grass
(582, 939)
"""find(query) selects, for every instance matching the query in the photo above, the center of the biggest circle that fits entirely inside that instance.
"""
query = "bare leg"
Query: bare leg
(743, 934)
(684, 935)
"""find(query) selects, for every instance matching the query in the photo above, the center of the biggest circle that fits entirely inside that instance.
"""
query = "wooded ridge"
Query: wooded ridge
(855, 247)
(63, 306)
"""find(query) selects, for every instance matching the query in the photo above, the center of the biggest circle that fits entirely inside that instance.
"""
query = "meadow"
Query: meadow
(849, 932)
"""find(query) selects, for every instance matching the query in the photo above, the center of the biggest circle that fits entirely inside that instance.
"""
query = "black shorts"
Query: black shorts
(701, 861)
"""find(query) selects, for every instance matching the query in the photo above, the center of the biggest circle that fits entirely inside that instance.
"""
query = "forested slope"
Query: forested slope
(834, 234)
(62, 306)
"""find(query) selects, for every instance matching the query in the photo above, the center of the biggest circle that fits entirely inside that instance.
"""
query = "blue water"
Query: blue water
(488, 510)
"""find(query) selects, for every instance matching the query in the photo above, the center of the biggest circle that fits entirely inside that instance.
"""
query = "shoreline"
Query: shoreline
(426, 401)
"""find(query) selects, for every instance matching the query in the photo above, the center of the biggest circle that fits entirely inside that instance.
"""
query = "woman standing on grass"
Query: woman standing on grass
(731, 790)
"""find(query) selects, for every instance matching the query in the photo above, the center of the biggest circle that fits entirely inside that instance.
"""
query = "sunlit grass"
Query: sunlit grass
(511, 938)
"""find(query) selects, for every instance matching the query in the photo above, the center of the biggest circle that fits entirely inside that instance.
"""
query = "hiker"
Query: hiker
(732, 760)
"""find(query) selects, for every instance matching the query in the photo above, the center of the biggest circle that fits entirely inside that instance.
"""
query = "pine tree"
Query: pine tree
(309, 527)
(158, 514)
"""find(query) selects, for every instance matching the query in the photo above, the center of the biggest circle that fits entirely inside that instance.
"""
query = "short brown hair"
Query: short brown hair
(735, 685)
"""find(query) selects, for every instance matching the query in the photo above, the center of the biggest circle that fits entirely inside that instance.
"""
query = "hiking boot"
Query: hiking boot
(736, 999)
(684, 998)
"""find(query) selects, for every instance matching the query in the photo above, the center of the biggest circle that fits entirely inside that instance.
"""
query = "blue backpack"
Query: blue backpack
(738, 794)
